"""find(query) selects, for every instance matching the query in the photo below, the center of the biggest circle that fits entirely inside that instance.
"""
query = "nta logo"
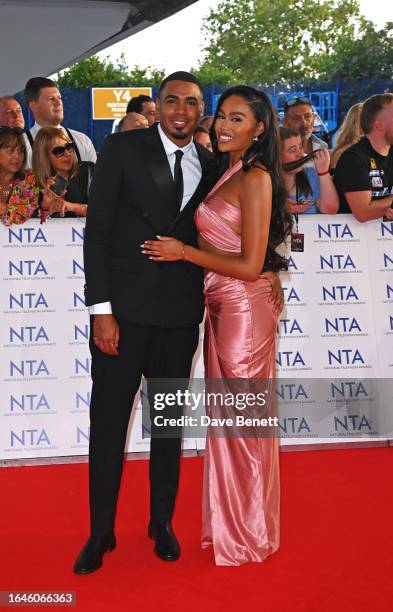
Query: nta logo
(28, 367)
(27, 267)
(28, 333)
(31, 301)
(336, 262)
(345, 357)
(291, 391)
(289, 358)
(289, 326)
(348, 389)
(351, 422)
(29, 438)
(30, 402)
(24, 235)
(344, 293)
(334, 230)
(342, 324)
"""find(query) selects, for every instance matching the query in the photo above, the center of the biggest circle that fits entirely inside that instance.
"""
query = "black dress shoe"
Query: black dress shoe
(167, 547)
(90, 557)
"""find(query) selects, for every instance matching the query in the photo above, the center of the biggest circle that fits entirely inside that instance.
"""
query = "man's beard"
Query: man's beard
(179, 135)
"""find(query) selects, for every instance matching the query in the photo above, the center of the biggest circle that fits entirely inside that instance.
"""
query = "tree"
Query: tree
(96, 72)
(264, 42)
(368, 57)
(148, 76)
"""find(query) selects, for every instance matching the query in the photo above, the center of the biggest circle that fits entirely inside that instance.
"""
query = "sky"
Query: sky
(176, 43)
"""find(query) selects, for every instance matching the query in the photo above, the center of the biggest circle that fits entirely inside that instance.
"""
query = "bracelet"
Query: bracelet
(323, 173)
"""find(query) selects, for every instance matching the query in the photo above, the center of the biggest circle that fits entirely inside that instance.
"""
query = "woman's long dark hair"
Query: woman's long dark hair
(265, 150)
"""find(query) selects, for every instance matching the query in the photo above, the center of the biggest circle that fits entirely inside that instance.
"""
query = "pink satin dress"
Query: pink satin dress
(241, 490)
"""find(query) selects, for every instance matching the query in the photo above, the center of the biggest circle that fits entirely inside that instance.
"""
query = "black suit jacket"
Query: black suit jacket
(132, 200)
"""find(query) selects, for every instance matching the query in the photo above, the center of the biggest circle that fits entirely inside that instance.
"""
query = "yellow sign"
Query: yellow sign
(111, 102)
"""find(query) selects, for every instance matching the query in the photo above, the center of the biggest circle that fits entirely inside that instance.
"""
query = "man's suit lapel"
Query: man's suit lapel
(160, 170)
(204, 185)
(164, 214)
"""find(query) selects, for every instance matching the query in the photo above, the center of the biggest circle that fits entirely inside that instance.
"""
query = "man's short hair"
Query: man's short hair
(135, 105)
(8, 98)
(296, 101)
(33, 87)
(181, 75)
(371, 107)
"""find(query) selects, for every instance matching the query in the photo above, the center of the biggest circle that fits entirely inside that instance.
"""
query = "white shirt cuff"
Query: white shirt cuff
(102, 308)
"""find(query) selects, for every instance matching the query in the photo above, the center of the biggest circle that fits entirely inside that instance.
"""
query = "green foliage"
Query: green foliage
(148, 76)
(96, 72)
(209, 73)
(368, 57)
(265, 42)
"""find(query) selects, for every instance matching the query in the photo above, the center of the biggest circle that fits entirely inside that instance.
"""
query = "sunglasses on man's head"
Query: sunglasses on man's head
(5, 129)
(61, 149)
(297, 100)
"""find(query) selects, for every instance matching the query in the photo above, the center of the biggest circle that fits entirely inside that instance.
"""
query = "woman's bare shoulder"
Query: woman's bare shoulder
(258, 165)
(257, 175)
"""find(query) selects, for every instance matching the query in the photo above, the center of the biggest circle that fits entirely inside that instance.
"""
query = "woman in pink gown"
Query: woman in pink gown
(240, 224)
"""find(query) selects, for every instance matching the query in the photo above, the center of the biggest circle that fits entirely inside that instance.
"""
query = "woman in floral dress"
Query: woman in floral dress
(18, 189)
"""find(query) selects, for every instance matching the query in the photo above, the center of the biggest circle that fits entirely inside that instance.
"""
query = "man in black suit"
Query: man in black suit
(145, 315)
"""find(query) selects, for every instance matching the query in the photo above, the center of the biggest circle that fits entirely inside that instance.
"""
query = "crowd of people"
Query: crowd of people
(355, 177)
(158, 195)
(45, 170)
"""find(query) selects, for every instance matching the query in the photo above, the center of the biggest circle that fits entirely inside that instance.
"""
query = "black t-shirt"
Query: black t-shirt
(361, 168)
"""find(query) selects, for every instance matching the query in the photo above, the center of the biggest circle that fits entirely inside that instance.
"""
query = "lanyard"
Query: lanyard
(296, 215)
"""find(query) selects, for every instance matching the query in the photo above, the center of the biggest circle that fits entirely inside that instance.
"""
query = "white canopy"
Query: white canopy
(41, 37)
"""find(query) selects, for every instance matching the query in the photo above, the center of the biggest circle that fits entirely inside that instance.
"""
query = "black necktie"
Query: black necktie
(178, 178)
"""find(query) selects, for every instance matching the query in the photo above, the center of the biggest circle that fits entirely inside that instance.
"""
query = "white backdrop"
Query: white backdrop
(337, 322)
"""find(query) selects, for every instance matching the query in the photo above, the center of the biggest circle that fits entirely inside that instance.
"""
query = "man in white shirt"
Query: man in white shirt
(46, 105)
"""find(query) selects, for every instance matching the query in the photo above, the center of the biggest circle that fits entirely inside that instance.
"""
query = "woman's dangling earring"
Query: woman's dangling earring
(255, 138)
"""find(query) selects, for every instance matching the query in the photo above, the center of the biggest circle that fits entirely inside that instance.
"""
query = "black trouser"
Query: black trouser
(154, 352)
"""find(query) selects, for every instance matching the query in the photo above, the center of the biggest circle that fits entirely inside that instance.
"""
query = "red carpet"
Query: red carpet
(336, 544)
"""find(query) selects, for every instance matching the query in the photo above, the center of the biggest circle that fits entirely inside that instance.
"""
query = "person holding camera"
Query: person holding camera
(65, 183)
